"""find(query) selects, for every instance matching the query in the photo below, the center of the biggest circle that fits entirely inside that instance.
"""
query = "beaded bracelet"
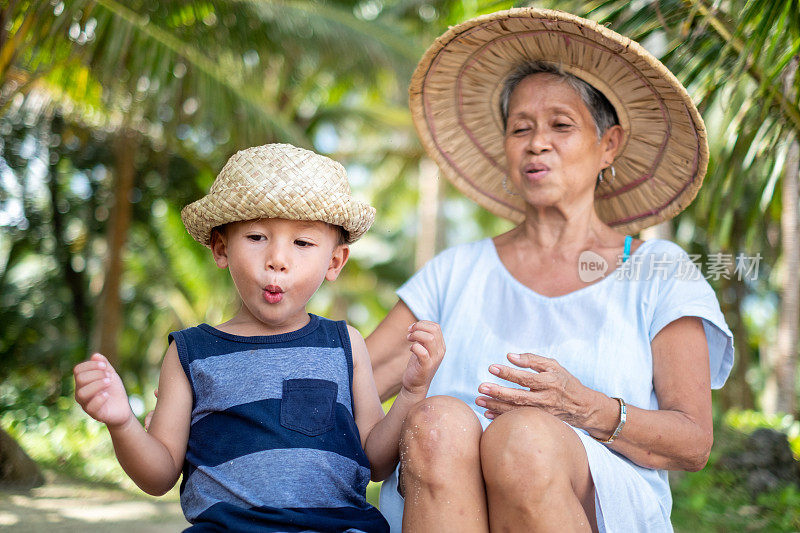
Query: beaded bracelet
(623, 416)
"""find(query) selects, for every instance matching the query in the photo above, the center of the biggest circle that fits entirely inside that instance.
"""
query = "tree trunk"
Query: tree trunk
(109, 319)
(17, 470)
(785, 355)
(786, 342)
(659, 231)
(430, 191)
(73, 279)
(737, 393)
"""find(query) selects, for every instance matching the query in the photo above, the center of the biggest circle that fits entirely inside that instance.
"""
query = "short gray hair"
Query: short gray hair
(598, 105)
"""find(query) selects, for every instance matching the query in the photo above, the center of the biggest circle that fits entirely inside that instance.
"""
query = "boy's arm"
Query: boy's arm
(388, 349)
(380, 435)
(152, 460)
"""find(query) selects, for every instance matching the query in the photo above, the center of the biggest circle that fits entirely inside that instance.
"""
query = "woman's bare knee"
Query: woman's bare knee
(526, 446)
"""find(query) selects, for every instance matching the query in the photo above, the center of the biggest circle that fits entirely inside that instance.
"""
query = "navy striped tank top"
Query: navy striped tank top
(273, 444)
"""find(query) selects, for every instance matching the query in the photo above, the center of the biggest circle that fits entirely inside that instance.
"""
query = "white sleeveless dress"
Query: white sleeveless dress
(600, 333)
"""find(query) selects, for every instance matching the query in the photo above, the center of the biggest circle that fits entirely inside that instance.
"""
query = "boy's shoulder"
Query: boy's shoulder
(189, 334)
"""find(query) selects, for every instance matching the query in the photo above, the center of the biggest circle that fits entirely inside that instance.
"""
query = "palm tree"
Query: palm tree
(201, 77)
(194, 79)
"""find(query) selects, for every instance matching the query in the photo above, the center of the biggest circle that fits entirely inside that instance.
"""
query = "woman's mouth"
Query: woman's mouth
(535, 171)
(273, 294)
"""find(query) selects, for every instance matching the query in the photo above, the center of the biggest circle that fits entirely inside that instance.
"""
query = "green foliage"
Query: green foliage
(747, 421)
(716, 499)
(63, 438)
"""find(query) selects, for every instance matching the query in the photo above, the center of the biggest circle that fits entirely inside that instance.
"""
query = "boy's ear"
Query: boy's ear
(338, 260)
(219, 249)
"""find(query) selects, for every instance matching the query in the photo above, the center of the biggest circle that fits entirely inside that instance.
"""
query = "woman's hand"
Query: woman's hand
(550, 388)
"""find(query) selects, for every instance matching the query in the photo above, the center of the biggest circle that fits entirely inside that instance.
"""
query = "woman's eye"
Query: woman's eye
(517, 131)
(562, 125)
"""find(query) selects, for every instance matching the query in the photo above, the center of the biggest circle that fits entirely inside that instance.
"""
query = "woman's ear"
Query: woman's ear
(338, 259)
(612, 142)
(219, 248)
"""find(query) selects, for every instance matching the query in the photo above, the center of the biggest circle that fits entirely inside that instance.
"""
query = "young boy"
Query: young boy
(273, 417)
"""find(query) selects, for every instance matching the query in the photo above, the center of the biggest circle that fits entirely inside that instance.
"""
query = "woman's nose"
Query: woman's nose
(538, 141)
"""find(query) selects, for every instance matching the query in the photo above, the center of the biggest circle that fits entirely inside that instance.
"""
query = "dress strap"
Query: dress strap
(626, 253)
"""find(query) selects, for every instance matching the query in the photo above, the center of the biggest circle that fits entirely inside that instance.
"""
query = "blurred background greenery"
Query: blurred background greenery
(114, 115)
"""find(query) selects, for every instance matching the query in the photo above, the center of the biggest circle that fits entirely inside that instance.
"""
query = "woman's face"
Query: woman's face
(551, 143)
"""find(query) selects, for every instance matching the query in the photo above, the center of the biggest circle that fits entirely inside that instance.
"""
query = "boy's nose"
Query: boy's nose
(276, 264)
(276, 260)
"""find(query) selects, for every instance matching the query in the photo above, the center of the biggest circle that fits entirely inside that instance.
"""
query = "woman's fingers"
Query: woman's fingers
(509, 395)
(526, 378)
(533, 361)
(495, 406)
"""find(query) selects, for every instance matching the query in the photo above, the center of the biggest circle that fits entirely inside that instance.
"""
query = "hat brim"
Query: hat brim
(454, 99)
(288, 202)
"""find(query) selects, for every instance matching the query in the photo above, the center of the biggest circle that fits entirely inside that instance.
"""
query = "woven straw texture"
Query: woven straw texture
(278, 181)
(455, 93)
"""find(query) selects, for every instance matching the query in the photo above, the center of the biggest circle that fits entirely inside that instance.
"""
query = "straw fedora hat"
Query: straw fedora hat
(278, 181)
(455, 102)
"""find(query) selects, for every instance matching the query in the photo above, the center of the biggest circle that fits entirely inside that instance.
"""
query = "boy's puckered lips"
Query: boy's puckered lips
(273, 293)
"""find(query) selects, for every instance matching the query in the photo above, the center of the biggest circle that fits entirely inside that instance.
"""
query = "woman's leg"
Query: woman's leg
(440, 469)
(537, 474)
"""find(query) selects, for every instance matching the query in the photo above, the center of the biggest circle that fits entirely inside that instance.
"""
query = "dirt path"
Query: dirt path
(70, 506)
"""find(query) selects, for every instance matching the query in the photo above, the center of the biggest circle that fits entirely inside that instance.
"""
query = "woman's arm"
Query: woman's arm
(677, 436)
(388, 349)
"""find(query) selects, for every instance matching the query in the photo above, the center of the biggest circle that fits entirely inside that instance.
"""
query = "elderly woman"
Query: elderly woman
(612, 344)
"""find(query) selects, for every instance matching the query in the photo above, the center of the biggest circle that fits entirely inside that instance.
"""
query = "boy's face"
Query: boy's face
(277, 265)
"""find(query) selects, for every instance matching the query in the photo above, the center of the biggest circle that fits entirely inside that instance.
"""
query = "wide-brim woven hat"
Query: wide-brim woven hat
(278, 181)
(455, 102)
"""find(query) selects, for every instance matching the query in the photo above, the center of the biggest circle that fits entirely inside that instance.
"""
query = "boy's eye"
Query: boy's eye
(256, 238)
(302, 244)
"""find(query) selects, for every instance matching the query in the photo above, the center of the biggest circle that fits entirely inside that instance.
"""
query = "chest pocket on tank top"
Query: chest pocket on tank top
(307, 405)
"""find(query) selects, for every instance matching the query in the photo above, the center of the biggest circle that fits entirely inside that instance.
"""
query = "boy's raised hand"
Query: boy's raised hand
(427, 351)
(99, 391)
